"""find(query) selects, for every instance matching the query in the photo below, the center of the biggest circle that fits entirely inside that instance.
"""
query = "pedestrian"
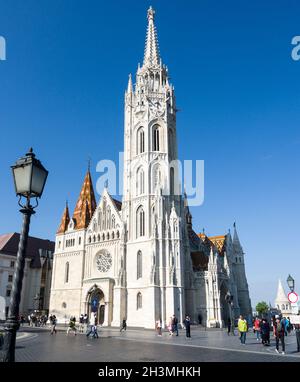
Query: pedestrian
(80, 327)
(158, 327)
(228, 326)
(187, 325)
(175, 325)
(199, 319)
(93, 327)
(280, 333)
(170, 326)
(53, 322)
(72, 326)
(265, 332)
(85, 322)
(297, 331)
(257, 328)
(243, 327)
(124, 325)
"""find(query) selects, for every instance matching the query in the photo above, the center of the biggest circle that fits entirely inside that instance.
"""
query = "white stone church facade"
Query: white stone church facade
(140, 259)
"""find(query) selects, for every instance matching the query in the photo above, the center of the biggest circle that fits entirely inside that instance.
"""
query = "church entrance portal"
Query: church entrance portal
(96, 304)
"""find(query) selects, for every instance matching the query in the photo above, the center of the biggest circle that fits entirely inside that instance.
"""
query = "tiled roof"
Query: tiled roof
(9, 246)
(64, 221)
(86, 203)
(218, 241)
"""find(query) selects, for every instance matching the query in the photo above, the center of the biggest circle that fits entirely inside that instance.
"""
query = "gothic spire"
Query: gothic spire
(236, 240)
(64, 220)
(151, 56)
(129, 87)
(86, 203)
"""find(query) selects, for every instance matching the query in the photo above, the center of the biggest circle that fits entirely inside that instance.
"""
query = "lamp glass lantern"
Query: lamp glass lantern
(29, 176)
(291, 283)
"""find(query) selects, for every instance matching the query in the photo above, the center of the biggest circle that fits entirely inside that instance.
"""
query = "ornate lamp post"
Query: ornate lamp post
(30, 178)
(291, 283)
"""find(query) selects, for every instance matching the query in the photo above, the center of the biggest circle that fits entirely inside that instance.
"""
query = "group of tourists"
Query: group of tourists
(35, 320)
(173, 326)
(281, 327)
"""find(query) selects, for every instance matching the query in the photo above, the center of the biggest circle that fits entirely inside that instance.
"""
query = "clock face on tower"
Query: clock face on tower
(103, 262)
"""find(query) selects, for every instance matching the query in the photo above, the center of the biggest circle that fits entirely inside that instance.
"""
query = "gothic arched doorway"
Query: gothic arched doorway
(225, 307)
(96, 304)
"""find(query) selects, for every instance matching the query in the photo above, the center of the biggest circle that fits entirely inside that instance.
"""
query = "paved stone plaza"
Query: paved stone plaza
(37, 345)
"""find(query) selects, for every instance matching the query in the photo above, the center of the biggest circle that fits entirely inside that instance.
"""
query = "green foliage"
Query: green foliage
(262, 307)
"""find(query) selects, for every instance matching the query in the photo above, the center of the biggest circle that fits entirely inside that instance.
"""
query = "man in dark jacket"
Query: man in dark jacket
(265, 332)
(187, 324)
(279, 334)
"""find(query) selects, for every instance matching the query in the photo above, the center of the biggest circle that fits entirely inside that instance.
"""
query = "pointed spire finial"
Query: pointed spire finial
(89, 164)
(151, 56)
(150, 13)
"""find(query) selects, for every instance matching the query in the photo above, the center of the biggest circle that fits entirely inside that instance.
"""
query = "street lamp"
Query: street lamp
(29, 177)
(291, 283)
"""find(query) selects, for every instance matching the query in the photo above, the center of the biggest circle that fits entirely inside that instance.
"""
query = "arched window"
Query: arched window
(140, 222)
(139, 267)
(139, 302)
(104, 215)
(140, 141)
(113, 222)
(156, 138)
(67, 266)
(140, 182)
(171, 144)
(282, 306)
(79, 240)
(172, 181)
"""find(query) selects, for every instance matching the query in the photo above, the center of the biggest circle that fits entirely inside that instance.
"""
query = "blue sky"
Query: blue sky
(237, 88)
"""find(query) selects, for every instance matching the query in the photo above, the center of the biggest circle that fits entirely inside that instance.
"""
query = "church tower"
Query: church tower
(240, 276)
(152, 208)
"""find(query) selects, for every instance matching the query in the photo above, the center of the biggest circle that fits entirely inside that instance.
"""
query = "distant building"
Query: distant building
(282, 303)
(37, 272)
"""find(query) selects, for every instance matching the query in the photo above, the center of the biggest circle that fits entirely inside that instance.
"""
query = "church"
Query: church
(140, 259)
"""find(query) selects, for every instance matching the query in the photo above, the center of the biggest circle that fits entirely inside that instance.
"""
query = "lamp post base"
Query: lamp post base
(11, 327)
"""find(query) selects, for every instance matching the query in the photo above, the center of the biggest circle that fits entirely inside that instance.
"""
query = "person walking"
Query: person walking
(158, 327)
(72, 326)
(242, 327)
(170, 326)
(124, 325)
(279, 333)
(80, 327)
(175, 325)
(228, 326)
(85, 323)
(265, 332)
(187, 325)
(297, 332)
(257, 328)
(53, 323)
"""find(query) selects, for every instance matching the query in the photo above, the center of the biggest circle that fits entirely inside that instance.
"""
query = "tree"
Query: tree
(262, 307)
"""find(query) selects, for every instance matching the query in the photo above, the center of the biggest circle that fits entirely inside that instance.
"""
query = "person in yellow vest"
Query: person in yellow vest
(243, 328)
